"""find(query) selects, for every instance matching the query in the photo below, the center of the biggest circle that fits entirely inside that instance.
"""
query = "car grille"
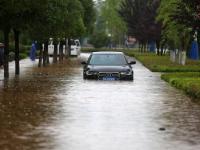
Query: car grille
(115, 75)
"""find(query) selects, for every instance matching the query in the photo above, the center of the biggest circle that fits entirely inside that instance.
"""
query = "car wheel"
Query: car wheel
(131, 78)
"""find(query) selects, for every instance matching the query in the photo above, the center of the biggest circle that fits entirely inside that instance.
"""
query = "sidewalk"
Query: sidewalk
(24, 65)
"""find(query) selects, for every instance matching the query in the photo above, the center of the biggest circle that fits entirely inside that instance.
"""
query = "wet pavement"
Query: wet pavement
(53, 108)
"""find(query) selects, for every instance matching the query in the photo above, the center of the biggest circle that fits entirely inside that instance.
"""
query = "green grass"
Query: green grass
(188, 82)
(163, 64)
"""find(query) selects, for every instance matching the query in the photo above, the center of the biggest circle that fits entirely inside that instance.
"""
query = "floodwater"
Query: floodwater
(53, 108)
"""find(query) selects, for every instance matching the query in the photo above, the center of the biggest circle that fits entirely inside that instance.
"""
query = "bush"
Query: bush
(23, 56)
(11, 56)
(188, 82)
(22, 48)
(25, 49)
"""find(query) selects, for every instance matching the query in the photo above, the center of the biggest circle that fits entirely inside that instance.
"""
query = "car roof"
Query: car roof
(107, 52)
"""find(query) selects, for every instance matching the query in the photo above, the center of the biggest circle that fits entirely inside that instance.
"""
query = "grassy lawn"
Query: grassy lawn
(163, 64)
(189, 82)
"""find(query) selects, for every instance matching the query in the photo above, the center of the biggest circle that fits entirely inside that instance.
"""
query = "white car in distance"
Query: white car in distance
(75, 47)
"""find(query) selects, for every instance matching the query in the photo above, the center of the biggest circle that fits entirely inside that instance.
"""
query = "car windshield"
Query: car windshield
(108, 60)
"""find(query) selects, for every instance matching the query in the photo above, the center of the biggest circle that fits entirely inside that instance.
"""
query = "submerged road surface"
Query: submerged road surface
(53, 108)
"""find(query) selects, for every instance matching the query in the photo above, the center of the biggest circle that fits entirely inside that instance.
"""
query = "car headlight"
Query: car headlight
(91, 72)
(128, 72)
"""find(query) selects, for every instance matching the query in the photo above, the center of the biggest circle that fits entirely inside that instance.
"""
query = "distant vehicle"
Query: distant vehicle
(108, 66)
(75, 47)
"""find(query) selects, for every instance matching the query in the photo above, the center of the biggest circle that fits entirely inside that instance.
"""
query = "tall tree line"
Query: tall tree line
(57, 19)
(140, 16)
(167, 22)
(109, 29)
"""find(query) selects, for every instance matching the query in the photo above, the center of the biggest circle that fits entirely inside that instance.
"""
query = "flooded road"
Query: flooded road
(53, 108)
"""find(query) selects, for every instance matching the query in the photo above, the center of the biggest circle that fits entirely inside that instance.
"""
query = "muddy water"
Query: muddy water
(53, 108)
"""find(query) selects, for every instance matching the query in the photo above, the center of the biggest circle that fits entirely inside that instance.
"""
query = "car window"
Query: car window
(108, 59)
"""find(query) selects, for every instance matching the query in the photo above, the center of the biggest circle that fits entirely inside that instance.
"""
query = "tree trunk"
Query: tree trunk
(40, 56)
(48, 61)
(182, 57)
(17, 65)
(182, 51)
(55, 53)
(6, 52)
(158, 47)
(69, 47)
(146, 46)
(162, 49)
(45, 53)
(66, 48)
(139, 47)
(44, 57)
(143, 47)
(61, 51)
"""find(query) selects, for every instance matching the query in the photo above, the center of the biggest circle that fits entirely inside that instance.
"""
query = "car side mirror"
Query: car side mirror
(83, 63)
(132, 63)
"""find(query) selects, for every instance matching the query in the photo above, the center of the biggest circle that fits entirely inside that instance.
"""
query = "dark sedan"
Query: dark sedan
(108, 66)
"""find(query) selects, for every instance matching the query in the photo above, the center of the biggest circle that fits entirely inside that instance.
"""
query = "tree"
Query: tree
(89, 15)
(115, 26)
(170, 32)
(99, 39)
(140, 17)
(187, 13)
(16, 15)
(61, 19)
(5, 26)
(176, 34)
(25, 13)
(42, 20)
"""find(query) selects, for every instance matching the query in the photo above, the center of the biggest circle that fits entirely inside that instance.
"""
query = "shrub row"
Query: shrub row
(21, 56)
(189, 82)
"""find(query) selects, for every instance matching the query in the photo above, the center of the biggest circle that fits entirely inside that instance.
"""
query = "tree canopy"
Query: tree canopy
(140, 17)
(45, 19)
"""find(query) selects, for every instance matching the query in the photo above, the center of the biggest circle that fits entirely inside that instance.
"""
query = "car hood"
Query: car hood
(109, 68)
